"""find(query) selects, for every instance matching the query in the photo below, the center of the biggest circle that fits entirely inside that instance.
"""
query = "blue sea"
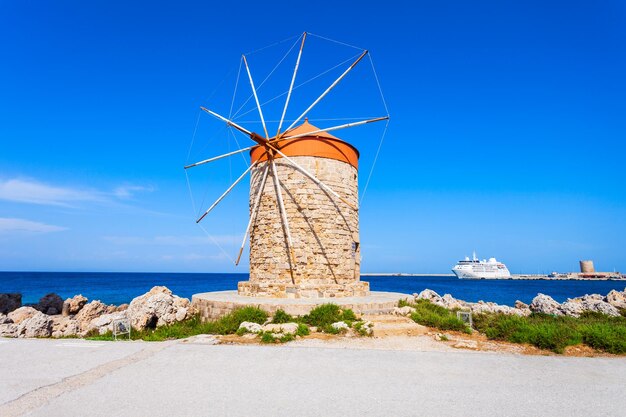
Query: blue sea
(122, 287)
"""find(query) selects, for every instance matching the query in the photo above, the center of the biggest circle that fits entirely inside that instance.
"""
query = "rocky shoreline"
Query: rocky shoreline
(76, 317)
(609, 305)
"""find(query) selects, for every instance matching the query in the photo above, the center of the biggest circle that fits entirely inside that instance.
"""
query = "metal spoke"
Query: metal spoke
(215, 158)
(363, 122)
(256, 98)
(328, 89)
(253, 214)
(228, 122)
(283, 213)
(293, 80)
(226, 192)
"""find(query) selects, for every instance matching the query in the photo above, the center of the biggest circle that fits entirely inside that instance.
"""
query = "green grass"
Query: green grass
(269, 337)
(362, 330)
(227, 324)
(596, 330)
(431, 315)
(303, 330)
(281, 317)
(404, 303)
(326, 314)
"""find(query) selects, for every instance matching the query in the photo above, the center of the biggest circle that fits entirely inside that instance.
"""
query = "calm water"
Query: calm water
(118, 288)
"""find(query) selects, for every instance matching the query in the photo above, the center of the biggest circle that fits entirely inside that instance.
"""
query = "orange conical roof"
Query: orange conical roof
(307, 127)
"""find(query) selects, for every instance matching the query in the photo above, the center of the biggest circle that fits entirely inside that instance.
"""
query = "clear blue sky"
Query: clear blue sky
(507, 134)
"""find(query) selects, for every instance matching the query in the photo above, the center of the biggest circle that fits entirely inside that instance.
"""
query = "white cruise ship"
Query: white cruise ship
(476, 269)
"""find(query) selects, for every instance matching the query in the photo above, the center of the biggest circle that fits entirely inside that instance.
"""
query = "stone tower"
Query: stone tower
(324, 230)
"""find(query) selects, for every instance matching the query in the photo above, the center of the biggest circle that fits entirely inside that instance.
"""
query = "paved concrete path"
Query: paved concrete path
(49, 378)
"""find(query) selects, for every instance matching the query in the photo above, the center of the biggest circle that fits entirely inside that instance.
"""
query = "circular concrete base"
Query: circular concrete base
(212, 305)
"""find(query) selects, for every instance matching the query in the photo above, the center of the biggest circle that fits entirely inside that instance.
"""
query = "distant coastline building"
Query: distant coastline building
(586, 267)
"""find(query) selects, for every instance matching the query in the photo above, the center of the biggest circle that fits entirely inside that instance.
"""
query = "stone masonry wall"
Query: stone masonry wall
(324, 230)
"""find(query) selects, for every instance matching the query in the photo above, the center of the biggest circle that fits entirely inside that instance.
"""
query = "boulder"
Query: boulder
(10, 302)
(594, 302)
(156, 308)
(63, 326)
(89, 312)
(50, 304)
(431, 296)
(589, 298)
(284, 328)
(572, 308)
(5, 319)
(600, 306)
(452, 303)
(21, 314)
(73, 305)
(403, 311)
(8, 330)
(122, 307)
(340, 325)
(104, 323)
(39, 325)
(521, 305)
(250, 327)
(616, 298)
(483, 307)
(545, 304)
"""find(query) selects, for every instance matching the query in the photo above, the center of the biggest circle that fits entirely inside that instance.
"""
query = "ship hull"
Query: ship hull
(476, 272)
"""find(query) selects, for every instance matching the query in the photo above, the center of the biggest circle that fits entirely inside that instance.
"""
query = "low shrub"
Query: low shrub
(269, 337)
(281, 317)
(429, 314)
(303, 330)
(326, 314)
(362, 329)
(555, 333)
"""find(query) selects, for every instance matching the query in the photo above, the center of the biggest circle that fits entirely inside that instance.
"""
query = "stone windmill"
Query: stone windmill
(304, 219)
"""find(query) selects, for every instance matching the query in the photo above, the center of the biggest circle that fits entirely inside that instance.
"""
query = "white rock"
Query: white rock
(340, 325)
(89, 312)
(572, 308)
(545, 304)
(63, 326)
(156, 308)
(284, 328)
(431, 296)
(39, 325)
(594, 302)
(4, 319)
(367, 327)
(403, 311)
(452, 303)
(616, 298)
(600, 306)
(104, 323)
(8, 330)
(181, 314)
(251, 327)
